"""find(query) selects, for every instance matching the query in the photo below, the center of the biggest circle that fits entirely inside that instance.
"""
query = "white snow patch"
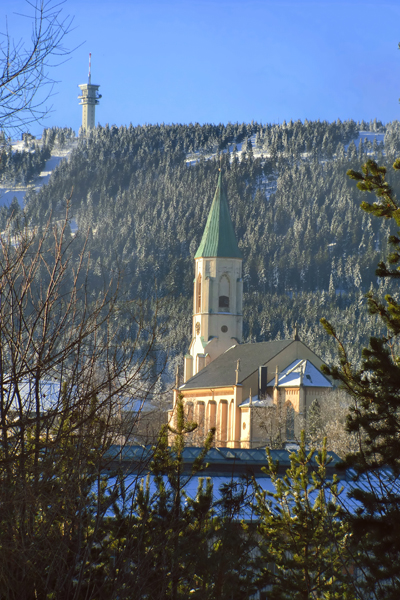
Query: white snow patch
(7, 193)
(369, 136)
(194, 157)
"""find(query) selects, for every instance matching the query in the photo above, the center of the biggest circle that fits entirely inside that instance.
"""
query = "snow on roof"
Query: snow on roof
(50, 397)
(301, 371)
(224, 464)
(238, 485)
(49, 394)
(255, 401)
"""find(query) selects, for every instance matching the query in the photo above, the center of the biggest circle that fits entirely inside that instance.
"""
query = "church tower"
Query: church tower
(217, 320)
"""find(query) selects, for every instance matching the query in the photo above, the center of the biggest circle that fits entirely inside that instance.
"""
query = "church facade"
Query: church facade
(252, 394)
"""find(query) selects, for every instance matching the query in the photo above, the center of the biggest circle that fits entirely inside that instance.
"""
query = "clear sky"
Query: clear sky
(211, 61)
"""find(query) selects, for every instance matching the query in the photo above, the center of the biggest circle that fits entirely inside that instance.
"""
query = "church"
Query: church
(253, 394)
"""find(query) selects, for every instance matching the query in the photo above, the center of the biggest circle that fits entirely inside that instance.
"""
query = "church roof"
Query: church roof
(221, 371)
(219, 238)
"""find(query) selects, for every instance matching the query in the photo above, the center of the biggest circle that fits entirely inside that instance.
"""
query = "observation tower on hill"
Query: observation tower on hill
(89, 98)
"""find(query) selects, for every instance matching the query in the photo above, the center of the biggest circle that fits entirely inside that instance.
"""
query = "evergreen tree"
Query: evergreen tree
(292, 215)
(168, 462)
(175, 546)
(305, 545)
(375, 417)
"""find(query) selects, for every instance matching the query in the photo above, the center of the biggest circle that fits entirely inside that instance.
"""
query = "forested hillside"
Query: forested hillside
(21, 166)
(143, 194)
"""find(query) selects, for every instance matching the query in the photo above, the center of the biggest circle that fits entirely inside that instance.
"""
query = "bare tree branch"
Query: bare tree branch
(25, 66)
(67, 371)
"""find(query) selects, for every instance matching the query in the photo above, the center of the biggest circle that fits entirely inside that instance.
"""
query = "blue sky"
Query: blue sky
(229, 60)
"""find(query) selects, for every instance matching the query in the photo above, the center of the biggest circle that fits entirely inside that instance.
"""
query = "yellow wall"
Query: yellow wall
(237, 427)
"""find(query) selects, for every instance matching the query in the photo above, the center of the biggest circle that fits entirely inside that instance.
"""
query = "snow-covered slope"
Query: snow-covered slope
(7, 193)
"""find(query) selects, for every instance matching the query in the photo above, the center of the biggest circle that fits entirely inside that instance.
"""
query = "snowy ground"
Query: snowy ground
(7, 193)
(194, 157)
(368, 135)
(270, 184)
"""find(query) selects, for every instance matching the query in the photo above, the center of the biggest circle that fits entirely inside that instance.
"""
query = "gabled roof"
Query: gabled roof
(219, 238)
(222, 461)
(222, 370)
(291, 376)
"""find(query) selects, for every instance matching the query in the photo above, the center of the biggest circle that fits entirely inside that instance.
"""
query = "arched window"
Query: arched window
(198, 303)
(231, 432)
(224, 293)
(200, 421)
(189, 411)
(212, 414)
(224, 301)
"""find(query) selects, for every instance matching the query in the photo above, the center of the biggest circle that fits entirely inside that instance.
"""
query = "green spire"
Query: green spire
(219, 236)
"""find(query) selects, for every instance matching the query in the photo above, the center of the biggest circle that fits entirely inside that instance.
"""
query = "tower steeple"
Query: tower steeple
(219, 238)
(218, 288)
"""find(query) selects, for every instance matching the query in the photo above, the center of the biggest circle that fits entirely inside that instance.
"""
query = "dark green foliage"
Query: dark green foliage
(209, 551)
(305, 546)
(169, 545)
(145, 209)
(21, 167)
(375, 417)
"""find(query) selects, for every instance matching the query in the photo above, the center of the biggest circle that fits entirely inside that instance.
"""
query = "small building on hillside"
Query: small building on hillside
(252, 394)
